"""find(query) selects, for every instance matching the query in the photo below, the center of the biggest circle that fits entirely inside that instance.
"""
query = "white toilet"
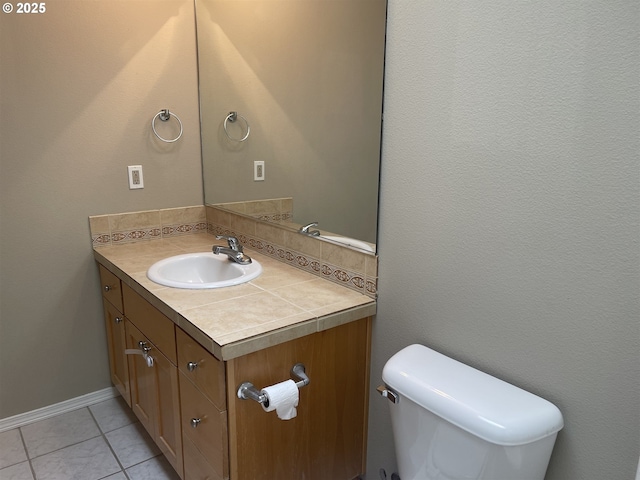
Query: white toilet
(453, 422)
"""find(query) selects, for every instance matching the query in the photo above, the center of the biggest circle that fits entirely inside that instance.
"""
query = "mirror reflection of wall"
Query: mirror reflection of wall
(307, 76)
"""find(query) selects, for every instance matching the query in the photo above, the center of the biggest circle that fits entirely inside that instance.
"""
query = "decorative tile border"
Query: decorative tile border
(357, 281)
(183, 229)
(129, 236)
(273, 210)
(108, 230)
(275, 217)
(101, 240)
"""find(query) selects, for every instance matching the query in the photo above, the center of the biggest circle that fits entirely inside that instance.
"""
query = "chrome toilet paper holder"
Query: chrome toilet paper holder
(247, 391)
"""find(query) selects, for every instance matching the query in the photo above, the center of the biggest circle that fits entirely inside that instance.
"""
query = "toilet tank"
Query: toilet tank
(453, 422)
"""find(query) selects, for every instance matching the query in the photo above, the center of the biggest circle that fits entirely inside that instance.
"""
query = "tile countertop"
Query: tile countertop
(282, 304)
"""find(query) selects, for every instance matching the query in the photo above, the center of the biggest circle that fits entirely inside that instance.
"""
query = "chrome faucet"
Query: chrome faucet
(234, 251)
(305, 229)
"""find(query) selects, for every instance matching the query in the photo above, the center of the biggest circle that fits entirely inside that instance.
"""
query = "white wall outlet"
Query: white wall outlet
(135, 177)
(258, 171)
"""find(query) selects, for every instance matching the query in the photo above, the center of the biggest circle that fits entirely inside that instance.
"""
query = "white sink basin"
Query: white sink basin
(351, 242)
(202, 270)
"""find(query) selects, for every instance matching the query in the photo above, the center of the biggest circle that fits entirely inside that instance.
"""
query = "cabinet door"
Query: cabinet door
(155, 396)
(116, 343)
(327, 439)
(141, 379)
(168, 435)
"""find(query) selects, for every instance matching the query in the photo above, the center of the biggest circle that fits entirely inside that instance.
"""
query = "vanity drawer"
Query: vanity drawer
(156, 326)
(205, 426)
(111, 287)
(202, 368)
(196, 466)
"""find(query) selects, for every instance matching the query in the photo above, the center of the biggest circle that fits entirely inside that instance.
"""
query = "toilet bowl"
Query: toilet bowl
(453, 422)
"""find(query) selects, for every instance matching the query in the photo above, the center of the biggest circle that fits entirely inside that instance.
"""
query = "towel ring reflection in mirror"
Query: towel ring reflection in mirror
(232, 117)
(165, 115)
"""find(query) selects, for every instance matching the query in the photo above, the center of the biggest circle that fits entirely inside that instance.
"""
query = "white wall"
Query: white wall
(79, 85)
(510, 211)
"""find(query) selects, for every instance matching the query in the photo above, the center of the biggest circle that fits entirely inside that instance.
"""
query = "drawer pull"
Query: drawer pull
(195, 422)
(191, 366)
(118, 319)
(144, 351)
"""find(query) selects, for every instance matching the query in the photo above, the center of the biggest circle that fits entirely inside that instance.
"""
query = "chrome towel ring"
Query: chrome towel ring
(232, 117)
(165, 115)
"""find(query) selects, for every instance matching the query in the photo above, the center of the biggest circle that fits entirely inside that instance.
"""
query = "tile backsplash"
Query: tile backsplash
(115, 229)
(274, 210)
(339, 264)
(342, 265)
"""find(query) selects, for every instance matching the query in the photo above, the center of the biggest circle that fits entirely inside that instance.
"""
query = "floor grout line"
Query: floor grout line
(26, 453)
(106, 440)
(115, 413)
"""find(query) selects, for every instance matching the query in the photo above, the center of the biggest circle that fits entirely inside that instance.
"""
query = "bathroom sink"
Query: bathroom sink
(351, 242)
(202, 270)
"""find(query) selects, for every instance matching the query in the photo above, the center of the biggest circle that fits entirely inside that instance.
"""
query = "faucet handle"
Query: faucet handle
(305, 229)
(234, 243)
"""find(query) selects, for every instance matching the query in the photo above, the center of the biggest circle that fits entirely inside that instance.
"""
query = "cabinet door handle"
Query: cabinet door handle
(107, 288)
(144, 347)
(195, 422)
(191, 366)
(118, 319)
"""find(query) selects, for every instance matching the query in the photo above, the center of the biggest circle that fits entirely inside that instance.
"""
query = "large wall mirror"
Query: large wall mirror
(306, 77)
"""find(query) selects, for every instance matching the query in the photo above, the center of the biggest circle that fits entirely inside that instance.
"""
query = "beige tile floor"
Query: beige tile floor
(102, 441)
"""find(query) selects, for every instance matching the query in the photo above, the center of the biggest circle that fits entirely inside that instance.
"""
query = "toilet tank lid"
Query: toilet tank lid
(477, 402)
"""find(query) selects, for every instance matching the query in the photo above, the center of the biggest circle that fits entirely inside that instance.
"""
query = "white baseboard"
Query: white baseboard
(26, 418)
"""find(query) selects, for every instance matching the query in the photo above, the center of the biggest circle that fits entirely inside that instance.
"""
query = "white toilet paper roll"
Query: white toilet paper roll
(283, 398)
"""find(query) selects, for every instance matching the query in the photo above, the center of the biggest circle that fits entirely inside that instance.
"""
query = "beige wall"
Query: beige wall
(514, 188)
(510, 211)
(79, 86)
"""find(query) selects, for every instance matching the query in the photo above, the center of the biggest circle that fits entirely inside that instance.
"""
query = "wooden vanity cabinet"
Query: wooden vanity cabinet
(155, 395)
(327, 438)
(116, 338)
(188, 403)
(111, 288)
(203, 406)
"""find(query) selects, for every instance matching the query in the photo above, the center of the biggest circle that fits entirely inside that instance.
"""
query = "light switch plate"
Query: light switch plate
(135, 177)
(258, 171)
